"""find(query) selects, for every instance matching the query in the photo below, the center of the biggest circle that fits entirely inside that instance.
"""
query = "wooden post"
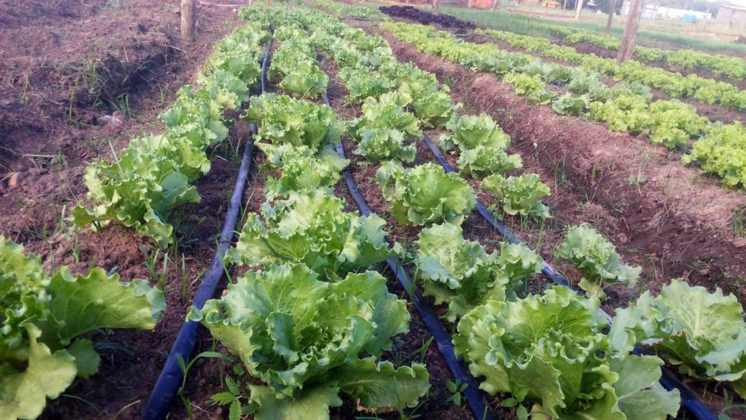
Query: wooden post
(578, 9)
(495, 3)
(435, 6)
(630, 31)
(612, 9)
(188, 16)
(468, 4)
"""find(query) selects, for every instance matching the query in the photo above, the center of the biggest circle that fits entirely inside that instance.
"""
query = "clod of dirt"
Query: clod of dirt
(13, 180)
(116, 118)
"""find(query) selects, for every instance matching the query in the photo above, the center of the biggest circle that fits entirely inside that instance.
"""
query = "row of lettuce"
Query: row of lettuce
(153, 176)
(46, 318)
(718, 64)
(718, 148)
(310, 324)
(674, 84)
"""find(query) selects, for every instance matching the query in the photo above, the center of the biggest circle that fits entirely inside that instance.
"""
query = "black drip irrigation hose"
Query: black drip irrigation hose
(690, 401)
(170, 379)
(477, 401)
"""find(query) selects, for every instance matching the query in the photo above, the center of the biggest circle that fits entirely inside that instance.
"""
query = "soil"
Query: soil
(426, 18)
(66, 68)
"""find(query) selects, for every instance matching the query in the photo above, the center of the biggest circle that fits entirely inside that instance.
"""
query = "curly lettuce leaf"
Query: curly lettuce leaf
(303, 339)
(425, 194)
(703, 334)
(597, 260)
(519, 195)
(23, 394)
(311, 227)
(457, 271)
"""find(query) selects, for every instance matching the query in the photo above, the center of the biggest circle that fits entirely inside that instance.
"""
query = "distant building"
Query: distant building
(655, 11)
(732, 16)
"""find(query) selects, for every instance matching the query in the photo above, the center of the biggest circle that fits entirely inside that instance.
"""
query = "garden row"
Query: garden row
(675, 85)
(718, 64)
(718, 148)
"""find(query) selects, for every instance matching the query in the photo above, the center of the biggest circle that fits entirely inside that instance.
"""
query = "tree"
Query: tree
(435, 6)
(612, 6)
(630, 31)
(188, 17)
(495, 3)
(578, 9)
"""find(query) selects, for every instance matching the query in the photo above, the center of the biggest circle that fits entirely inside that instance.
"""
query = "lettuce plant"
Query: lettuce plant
(519, 195)
(701, 333)
(309, 341)
(550, 354)
(387, 111)
(570, 105)
(481, 144)
(722, 151)
(597, 260)
(311, 227)
(295, 62)
(472, 131)
(425, 194)
(361, 83)
(152, 176)
(463, 274)
(43, 322)
(457, 271)
(282, 119)
(302, 169)
(379, 144)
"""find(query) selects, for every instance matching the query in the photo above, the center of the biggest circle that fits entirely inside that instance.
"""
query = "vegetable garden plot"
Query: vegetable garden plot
(422, 214)
(624, 178)
(624, 109)
(312, 326)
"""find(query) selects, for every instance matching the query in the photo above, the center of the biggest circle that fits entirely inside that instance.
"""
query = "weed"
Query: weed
(739, 222)
(186, 367)
(233, 396)
(151, 260)
(456, 389)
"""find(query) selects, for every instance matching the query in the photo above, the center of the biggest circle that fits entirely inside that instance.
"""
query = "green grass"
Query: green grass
(530, 25)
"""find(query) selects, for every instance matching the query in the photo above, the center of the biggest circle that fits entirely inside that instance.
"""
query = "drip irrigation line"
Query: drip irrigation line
(688, 399)
(477, 401)
(170, 379)
(547, 270)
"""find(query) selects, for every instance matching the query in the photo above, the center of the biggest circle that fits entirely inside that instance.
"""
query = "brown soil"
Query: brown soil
(676, 223)
(712, 111)
(63, 66)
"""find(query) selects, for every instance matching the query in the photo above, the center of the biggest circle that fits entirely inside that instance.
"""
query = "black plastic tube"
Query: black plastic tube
(688, 399)
(170, 379)
(477, 401)
(546, 269)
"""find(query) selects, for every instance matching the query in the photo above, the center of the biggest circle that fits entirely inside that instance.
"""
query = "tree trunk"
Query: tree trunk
(630, 31)
(468, 4)
(188, 16)
(495, 3)
(435, 6)
(578, 9)
(612, 9)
